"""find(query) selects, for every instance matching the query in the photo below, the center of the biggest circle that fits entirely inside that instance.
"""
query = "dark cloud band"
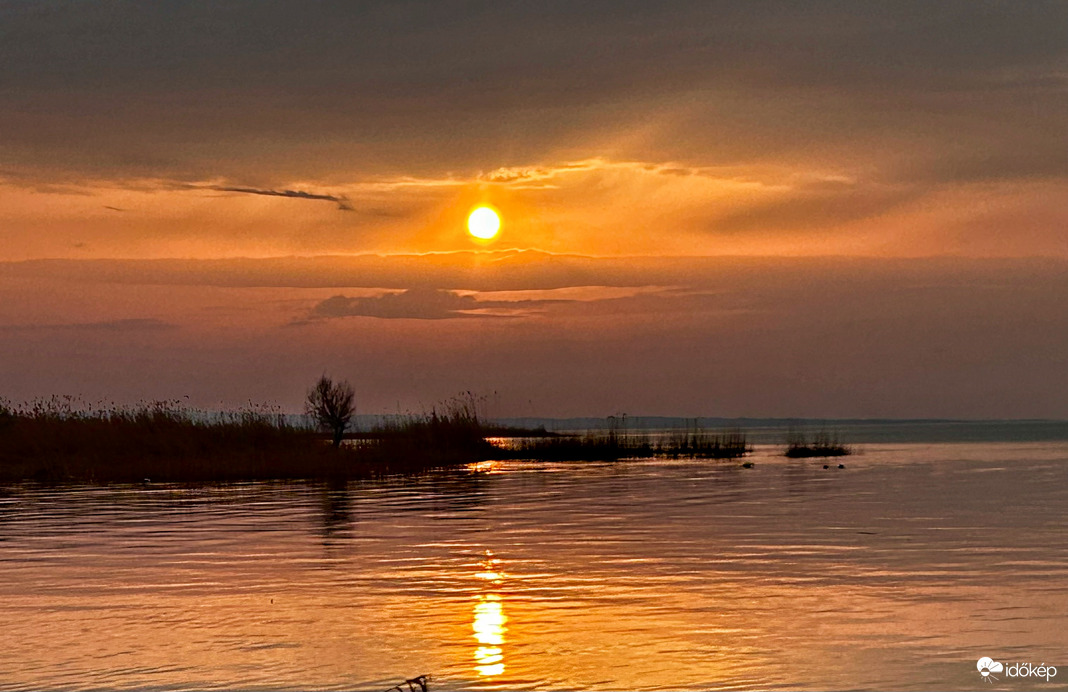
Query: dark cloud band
(342, 202)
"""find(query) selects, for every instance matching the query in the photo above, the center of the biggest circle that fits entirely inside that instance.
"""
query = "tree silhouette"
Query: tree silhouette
(332, 405)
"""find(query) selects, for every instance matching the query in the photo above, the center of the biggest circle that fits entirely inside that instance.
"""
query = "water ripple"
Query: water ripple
(898, 572)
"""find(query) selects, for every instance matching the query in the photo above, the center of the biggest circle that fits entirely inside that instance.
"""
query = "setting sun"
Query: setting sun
(710, 344)
(483, 223)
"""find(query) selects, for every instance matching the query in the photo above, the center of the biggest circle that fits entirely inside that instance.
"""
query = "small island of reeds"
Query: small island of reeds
(822, 444)
(614, 444)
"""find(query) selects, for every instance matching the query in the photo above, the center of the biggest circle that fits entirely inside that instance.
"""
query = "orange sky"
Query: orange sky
(922, 146)
(597, 207)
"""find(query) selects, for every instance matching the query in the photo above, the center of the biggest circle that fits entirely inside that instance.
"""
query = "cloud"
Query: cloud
(250, 89)
(469, 271)
(780, 336)
(545, 175)
(423, 304)
(539, 176)
(513, 271)
(342, 202)
(416, 303)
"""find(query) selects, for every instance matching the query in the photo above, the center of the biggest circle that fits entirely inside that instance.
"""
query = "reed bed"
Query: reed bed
(822, 444)
(613, 446)
(705, 445)
(59, 440)
(453, 435)
(55, 440)
(588, 447)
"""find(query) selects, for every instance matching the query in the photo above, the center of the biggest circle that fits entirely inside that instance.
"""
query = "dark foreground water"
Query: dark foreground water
(898, 572)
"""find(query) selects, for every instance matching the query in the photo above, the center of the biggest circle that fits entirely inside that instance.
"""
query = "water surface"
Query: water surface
(899, 571)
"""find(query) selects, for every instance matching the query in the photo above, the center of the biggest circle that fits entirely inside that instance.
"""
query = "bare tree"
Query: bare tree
(332, 405)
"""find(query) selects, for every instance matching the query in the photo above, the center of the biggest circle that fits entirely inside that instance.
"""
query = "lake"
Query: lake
(899, 571)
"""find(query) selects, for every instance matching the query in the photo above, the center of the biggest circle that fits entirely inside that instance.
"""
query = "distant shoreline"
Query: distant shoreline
(851, 430)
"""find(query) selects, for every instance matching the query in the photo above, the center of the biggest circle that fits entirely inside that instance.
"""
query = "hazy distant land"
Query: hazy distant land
(774, 430)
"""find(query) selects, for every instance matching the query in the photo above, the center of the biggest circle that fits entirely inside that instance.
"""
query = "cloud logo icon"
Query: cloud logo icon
(987, 666)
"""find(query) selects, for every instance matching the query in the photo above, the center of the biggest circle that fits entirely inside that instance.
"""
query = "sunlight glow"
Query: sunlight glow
(489, 623)
(489, 632)
(483, 223)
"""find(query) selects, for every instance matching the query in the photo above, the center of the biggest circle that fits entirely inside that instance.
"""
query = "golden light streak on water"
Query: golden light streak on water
(489, 627)
(489, 623)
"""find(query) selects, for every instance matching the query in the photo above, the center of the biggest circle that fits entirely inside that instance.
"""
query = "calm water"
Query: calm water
(899, 572)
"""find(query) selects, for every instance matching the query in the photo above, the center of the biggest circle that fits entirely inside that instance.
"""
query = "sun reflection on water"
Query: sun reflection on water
(488, 466)
(489, 624)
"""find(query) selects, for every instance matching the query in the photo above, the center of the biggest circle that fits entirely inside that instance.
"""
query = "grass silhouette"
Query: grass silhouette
(61, 440)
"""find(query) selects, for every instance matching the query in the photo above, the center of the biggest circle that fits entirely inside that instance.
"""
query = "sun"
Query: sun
(483, 223)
